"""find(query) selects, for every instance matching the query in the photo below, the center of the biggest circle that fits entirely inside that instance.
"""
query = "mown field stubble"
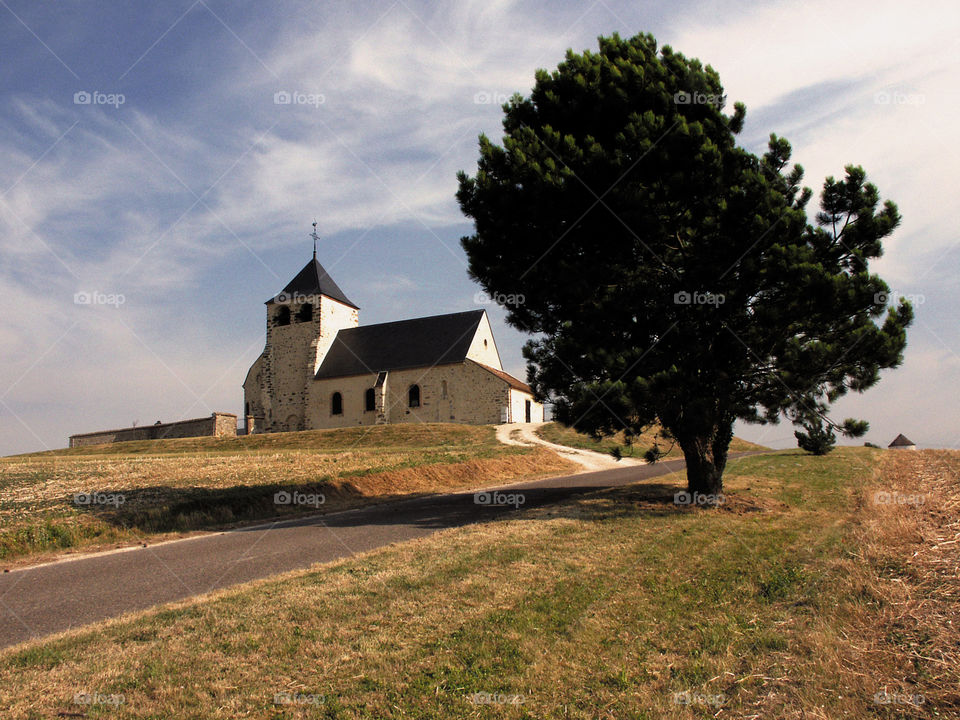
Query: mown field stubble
(156, 490)
(805, 595)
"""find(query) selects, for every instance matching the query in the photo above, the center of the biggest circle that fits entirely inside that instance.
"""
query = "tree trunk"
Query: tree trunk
(706, 456)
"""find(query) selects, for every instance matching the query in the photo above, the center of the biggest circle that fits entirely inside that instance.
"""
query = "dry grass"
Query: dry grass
(562, 435)
(199, 484)
(904, 565)
(797, 599)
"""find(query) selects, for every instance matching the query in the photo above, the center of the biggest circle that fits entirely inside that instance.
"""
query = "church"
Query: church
(321, 369)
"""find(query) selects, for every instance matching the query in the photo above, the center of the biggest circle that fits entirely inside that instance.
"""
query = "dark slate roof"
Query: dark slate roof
(901, 441)
(312, 280)
(421, 342)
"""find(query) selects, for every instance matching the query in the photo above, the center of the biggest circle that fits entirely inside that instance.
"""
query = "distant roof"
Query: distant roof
(508, 378)
(312, 280)
(420, 342)
(901, 441)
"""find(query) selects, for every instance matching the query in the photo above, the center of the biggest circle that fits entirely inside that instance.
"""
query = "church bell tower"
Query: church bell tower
(302, 321)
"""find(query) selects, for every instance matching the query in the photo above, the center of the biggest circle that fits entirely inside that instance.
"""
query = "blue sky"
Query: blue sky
(181, 195)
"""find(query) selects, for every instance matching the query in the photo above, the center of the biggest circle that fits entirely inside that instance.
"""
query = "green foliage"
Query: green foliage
(668, 274)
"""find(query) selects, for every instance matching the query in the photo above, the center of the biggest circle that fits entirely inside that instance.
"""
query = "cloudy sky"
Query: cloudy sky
(148, 167)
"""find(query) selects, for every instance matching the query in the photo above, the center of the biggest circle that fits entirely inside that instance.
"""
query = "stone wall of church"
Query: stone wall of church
(291, 357)
(458, 393)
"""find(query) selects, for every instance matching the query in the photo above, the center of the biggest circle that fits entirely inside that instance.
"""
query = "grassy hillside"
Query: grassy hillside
(562, 435)
(806, 595)
(172, 487)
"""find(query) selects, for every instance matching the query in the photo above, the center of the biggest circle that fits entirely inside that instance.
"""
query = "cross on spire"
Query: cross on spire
(315, 238)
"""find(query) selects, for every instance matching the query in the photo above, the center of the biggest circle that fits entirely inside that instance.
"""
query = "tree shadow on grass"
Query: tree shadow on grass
(159, 509)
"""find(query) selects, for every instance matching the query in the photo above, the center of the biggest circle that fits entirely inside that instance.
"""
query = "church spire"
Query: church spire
(315, 238)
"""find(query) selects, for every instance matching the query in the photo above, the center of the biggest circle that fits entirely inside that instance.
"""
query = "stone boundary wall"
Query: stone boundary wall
(216, 425)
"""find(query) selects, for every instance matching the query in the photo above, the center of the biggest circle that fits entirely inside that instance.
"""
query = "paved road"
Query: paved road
(50, 598)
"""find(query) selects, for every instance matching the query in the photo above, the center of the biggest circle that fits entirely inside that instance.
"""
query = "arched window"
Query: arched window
(413, 396)
(370, 400)
(336, 404)
(283, 315)
(443, 390)
(305, 313)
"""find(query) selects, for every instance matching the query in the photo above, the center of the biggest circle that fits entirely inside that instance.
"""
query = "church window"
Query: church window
(283, 315)
(484, 343)
(413, 396)
(443, 390)
(305, 313)
(336, 404)
(370, 400)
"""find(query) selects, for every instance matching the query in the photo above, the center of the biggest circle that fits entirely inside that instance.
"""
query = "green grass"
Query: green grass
(411, 435)
(562, 435)
(609, 606)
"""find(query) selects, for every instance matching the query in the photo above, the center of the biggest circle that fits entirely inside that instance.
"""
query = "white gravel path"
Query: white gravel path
(589, 461)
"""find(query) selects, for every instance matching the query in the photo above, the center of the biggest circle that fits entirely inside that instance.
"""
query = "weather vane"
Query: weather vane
(315, 238)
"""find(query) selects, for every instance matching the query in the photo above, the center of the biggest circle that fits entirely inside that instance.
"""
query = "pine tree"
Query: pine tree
(669, 275)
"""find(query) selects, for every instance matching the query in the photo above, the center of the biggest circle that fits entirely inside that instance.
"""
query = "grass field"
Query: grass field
(172, 487)
(805, 595)
(557, 433)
